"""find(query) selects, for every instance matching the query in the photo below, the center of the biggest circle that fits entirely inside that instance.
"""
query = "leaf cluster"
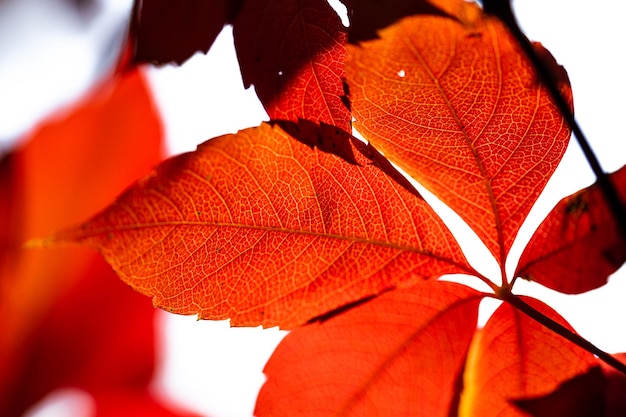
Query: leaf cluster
(298, 224)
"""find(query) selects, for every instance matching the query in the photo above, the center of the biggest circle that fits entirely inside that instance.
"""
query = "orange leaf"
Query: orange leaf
(578, 245)
(456, 105)
(514, 357)
(400, 354)
(263, 228)
(293, 53)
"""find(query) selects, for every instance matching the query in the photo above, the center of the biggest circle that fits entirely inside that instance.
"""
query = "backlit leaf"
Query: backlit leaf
(293, 53)
(456, 105)
(397, 355)
(263, 228)
(515, 357)
(578, 245)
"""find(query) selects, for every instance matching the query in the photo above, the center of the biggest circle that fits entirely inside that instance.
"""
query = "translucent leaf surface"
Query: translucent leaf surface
(455, 104)
(400, 354)
(515, 357)
(264, 228)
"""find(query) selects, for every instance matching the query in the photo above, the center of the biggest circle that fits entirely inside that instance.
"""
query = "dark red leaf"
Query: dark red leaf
(369, 16)
(164, 31)
(293, 53)
(616, 388)
(599, 392)
(581, 396)
(578, 245)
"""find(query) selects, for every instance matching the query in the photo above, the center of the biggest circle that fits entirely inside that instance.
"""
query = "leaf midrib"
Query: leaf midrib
(462, 129)
(84, 235)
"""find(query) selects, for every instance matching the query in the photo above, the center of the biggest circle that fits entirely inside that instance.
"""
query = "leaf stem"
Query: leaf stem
(559, 329)
(494, 287)
(502, 10)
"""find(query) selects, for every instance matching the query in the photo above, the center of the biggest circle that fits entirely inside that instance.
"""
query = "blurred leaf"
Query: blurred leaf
(67, 320)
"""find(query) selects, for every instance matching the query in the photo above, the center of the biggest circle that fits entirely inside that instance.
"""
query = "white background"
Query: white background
(49, 55)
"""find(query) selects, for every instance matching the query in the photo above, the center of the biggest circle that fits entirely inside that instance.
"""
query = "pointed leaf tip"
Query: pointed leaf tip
(263, 229)
(578, 246)
(462, 113)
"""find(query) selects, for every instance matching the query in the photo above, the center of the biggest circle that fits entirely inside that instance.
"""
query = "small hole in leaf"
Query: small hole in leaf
(401, 73)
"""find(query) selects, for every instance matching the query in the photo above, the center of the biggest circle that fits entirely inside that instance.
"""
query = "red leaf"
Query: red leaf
(66, 319)
(137, 403)
(11, 221)
(397, 355)
(578, 245)
(311, 223)
(515, 357)
(456, 105)
(293, 52)
(72, 167)
(97, 336)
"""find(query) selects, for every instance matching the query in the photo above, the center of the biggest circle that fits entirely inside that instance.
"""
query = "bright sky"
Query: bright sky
(47, 57)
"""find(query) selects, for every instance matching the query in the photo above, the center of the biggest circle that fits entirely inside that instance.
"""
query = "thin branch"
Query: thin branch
(502, 10)
(578, 340)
